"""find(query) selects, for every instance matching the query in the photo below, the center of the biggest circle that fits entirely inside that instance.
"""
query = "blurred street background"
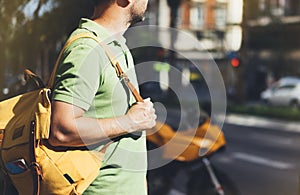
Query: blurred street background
(255, 45)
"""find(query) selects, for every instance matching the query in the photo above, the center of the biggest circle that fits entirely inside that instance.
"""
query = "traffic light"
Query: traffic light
(234, 59)
(235, 62)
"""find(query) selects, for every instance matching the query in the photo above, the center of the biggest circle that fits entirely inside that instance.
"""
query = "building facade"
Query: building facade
(215, 24)
(271, 47)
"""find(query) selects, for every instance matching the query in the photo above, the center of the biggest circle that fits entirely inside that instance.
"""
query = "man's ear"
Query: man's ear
(124, 3)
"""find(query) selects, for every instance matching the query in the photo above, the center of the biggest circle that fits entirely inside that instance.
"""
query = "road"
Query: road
(261, 161)
(260, 158)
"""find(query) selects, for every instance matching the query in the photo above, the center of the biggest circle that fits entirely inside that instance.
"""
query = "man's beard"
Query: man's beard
(136, 18)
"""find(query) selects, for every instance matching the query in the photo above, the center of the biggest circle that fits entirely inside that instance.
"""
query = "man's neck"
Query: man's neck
(113, 20)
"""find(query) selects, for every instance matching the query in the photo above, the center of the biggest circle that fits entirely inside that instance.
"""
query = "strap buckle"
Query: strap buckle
(124, 77)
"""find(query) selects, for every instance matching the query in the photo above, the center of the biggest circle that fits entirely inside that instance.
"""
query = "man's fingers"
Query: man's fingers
(147, 99)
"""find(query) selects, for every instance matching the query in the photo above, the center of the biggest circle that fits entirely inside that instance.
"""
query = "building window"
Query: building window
(197, 16)
(292, 8)
(221, 16)
(277, 7)
(262, 5)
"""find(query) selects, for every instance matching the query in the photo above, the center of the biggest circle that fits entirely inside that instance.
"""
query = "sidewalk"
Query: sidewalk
(254, 121)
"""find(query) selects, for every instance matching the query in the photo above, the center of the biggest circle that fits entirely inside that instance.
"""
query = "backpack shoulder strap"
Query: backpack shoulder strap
(111, 57)
(72, 39)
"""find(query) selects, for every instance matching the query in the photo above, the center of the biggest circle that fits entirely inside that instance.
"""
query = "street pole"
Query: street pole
(174, 6)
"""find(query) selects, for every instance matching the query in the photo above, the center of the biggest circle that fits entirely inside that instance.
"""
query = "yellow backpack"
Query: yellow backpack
(33, 166)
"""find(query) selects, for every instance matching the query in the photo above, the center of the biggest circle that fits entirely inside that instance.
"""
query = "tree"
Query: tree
(52, 28)
(11, 18)
(34, 41)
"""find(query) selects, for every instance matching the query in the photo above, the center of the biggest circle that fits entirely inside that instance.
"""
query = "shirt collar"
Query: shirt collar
(100, 31)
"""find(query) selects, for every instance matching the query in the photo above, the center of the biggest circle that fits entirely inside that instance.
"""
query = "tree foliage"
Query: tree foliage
(33, 40)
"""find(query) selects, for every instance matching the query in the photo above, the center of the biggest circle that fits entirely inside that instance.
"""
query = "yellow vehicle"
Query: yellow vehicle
(174, 145)
(194, 142)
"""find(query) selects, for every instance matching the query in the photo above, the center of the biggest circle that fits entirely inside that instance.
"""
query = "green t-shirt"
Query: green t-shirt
(87, 79)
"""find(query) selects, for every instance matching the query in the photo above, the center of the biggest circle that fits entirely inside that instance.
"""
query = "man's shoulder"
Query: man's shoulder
(84, 42)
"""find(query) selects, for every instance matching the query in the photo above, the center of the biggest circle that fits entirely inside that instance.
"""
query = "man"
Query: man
(91, 104)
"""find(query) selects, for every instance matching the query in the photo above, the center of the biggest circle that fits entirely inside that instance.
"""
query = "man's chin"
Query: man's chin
(136, 20)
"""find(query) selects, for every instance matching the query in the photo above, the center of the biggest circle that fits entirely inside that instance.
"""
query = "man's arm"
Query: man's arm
(70, 128)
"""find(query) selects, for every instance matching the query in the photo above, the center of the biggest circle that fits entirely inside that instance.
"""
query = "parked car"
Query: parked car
(284, 92)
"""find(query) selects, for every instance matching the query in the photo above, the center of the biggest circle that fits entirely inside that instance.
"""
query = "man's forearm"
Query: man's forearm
(91, 130)
(87, 131)
(70, 128)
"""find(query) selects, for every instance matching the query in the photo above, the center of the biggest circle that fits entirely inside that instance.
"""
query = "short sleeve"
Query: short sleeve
(78, 76)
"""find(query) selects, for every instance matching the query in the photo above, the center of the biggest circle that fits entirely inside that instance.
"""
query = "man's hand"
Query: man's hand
(141, 116)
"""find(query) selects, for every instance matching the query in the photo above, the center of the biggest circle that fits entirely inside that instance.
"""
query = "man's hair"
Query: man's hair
(95, 3)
